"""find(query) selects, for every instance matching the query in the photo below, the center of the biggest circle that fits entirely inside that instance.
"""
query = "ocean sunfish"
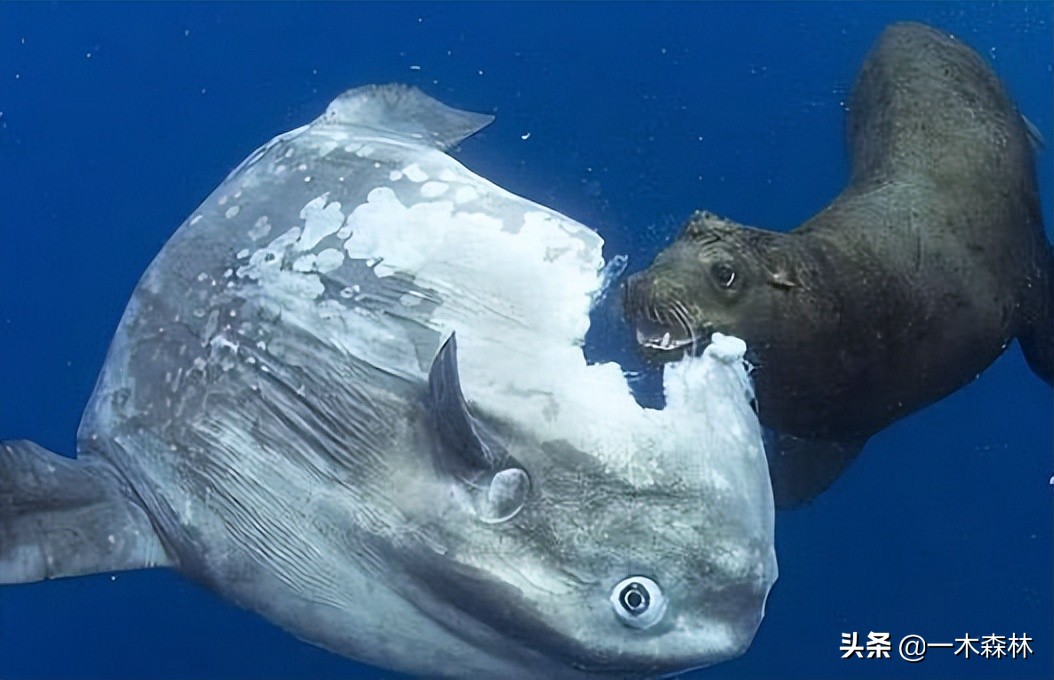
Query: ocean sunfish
(350, 395)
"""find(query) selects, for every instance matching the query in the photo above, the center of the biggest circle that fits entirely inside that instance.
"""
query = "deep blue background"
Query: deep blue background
(118, 119)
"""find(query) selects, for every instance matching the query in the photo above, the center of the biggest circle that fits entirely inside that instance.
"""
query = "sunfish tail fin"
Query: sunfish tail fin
(65, 517)
(1037, 342)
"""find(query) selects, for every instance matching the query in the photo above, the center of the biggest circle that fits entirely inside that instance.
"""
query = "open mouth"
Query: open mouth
(668, 328)
(654, 335)
(665, 343)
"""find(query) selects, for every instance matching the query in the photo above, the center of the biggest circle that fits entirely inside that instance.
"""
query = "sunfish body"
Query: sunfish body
(287, 416)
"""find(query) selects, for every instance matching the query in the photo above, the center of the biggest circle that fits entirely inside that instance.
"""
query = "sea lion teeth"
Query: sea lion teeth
(666, 343)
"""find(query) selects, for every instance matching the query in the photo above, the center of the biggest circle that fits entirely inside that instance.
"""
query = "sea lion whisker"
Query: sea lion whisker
(677, 312)
(694, 346)
(680, 314)
(654, 314)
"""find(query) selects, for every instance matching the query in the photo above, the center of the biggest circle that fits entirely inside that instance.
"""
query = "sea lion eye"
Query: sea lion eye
(723, 274)
(638, 602)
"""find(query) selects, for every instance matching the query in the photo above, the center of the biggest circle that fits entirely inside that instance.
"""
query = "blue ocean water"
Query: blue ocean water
(117, 119)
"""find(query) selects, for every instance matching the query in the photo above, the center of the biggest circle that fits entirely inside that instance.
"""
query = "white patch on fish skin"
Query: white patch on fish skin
(268, 260)
(433, 242)
(304, 263)
(195, 219)
(465, 195)
(434, 189)
(535, 219)
(328, 260)
(232, 211)
(409, 300)
(260, 229)
(327, 147)
(307, 286)
(395, 176)
(320, 220)
(414, 173)
(481, 220)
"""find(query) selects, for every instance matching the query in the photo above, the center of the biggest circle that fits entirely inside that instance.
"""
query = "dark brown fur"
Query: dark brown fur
(902, 290)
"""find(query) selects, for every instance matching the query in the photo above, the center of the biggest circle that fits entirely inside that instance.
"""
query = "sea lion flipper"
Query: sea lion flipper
(65, 517)
(801, 469)
(1037, 342)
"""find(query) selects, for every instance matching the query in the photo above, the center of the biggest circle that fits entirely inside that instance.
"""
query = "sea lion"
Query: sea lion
(285, 416)
(902, 290)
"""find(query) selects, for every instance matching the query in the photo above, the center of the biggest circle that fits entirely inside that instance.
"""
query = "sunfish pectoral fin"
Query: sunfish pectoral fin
(801, 469)
(65, 517)
(407, 113)
(495, 481)
(464, 441)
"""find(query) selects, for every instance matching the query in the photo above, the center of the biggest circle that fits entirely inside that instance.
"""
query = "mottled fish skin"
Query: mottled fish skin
(285, 402)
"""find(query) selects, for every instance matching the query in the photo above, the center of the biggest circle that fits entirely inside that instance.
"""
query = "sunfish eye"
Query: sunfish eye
(638, 602)
(723, 274)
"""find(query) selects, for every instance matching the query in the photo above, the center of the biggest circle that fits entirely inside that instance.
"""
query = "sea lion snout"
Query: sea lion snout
(653, 305)
(695, 287)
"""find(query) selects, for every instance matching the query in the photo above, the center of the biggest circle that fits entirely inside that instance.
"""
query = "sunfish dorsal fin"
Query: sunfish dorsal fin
(405, 112)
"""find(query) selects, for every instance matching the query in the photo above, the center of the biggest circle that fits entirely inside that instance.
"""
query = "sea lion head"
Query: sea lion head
(717, 276)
